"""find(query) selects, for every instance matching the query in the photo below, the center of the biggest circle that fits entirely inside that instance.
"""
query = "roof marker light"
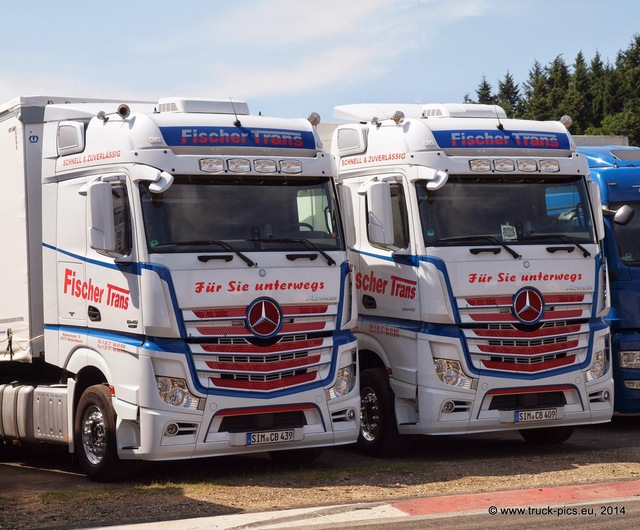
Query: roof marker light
(212, 165)
(550, 166)
(264, 165)
(480, 165)
(239, 165)
(527, 165)
(291, 166)
(314, 119)
(504, 164)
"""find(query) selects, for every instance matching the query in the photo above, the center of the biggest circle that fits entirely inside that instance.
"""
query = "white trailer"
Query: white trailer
(174, 283)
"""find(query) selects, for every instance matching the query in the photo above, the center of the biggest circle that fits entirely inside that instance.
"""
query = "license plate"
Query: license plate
(522, 416)
(269, 437)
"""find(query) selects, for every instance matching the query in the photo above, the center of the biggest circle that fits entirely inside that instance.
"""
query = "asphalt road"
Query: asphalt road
(496, 457)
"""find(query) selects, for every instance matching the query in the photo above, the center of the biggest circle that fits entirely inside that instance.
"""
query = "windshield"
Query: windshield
(219, 214)
(505, 210)
(627, 237)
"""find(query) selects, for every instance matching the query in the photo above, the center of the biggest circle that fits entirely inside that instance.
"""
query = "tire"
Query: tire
(547, 435)
(379, 435)
(95, 436)
(296, 457)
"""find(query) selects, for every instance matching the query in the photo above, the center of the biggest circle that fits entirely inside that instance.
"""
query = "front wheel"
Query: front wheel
(547, 435)
(378, 430)
(95, 436)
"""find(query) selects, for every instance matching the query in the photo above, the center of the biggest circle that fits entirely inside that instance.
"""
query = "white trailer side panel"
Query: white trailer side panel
(21, 321)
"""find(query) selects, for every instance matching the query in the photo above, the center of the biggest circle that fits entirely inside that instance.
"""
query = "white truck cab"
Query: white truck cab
(479, 274)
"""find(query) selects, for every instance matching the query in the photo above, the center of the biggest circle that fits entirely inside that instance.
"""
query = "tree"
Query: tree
(601, 98)
(596, 92)
(558, 81)
(576, 103)
(536, 102)
(508, 96)
(483, 92)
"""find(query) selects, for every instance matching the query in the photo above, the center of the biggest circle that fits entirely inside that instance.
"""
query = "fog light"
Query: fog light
(351, 414)
(448, 406)
(171, 429)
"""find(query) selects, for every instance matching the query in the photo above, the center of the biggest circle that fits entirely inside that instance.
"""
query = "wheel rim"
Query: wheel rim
(94, 438)
(369, 415)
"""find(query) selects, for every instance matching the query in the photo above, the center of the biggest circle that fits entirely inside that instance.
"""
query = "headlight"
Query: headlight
(630, 359)
(174, 391)
(598, 366)
(450, 372)
(345, 382)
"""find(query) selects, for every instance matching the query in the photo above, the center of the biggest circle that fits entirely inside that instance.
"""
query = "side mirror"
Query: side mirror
(346, 209)
(380, 218)
(109, 229)
(624, 215)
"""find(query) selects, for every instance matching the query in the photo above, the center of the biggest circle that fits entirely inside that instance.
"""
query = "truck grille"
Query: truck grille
(497, 341)
(228, 356)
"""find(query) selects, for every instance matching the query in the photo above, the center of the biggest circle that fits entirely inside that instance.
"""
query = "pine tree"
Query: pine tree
(558, 81)
(484, 92)
(508, 96)
(576, 103)
(536, 100)
(596, 93)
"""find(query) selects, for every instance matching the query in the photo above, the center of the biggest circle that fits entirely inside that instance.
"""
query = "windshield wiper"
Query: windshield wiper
(562, 237)
(308, 244)
(491, 239)
(207, 242)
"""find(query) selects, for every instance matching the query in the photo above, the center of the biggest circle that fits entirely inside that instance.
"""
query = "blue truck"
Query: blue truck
(616, 169)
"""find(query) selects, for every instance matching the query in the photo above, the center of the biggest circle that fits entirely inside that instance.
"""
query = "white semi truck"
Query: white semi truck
(480, 279)
(174, 283)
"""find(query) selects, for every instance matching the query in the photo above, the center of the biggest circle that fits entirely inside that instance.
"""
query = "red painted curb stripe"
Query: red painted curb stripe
(525, 497)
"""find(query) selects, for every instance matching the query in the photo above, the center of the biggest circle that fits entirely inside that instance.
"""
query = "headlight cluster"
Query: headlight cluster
(630, 359)
(345, 382)
(598, 366)
(174, 391)
(450, 372)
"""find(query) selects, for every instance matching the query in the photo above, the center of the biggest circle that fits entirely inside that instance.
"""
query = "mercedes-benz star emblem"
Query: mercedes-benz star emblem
(528, 305)
(264, 317)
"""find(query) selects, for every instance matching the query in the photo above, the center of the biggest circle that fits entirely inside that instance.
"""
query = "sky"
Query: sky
(289, 58)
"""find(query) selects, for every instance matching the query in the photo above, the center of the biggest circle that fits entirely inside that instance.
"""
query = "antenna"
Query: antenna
(237, 122)
(499, 126)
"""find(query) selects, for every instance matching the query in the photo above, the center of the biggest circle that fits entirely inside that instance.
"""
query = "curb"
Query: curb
(491, 503)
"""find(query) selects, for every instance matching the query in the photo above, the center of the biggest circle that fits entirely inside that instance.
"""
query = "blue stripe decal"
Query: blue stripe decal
(136, 269)
(455, 331)
(131, 339)
(129, 268)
